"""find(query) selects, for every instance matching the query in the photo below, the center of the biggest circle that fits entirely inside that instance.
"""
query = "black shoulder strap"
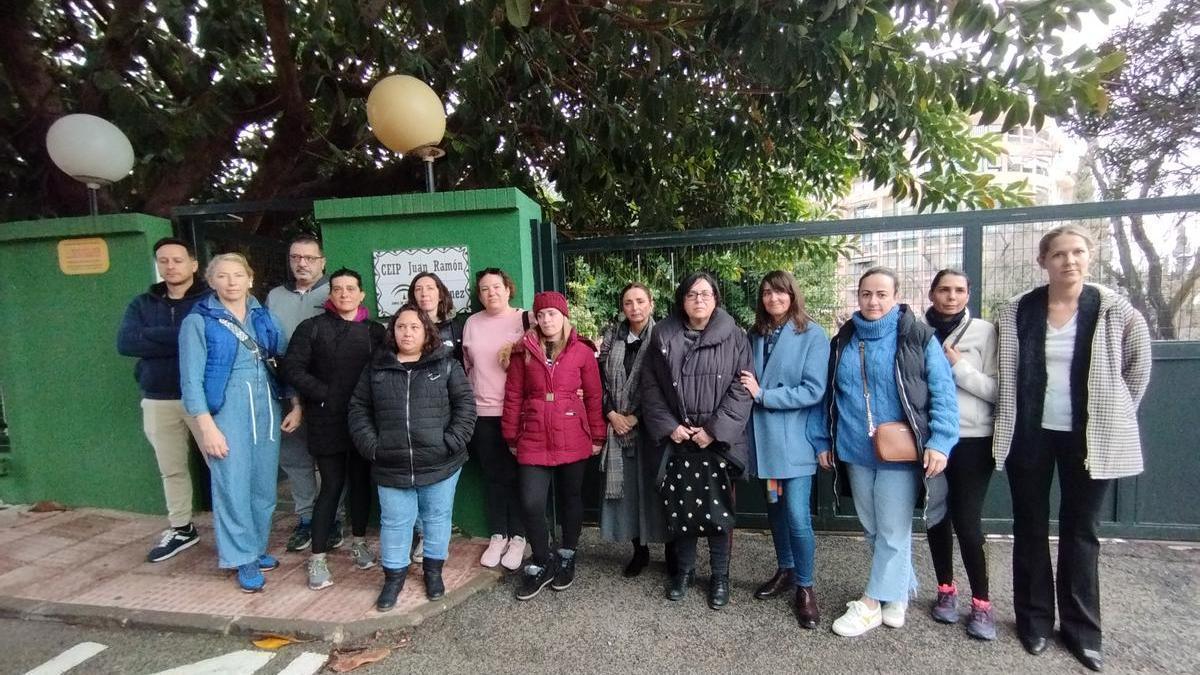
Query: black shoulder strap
(524, 320)
(962, 332)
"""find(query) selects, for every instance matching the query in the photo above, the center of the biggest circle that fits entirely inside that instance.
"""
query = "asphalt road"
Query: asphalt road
(609, 624)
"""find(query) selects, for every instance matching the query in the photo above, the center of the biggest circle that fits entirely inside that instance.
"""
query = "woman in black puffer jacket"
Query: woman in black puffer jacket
(695, 407)
(411, 416)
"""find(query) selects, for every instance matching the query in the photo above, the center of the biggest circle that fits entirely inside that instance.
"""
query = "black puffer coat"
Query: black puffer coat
(413, 420)
(324, 360)
(699, 386)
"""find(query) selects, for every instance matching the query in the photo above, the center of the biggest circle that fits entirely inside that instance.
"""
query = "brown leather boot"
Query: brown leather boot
(808, 614)
(776, 585)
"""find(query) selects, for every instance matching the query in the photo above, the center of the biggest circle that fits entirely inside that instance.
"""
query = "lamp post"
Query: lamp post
(408, 117)
(91, 150)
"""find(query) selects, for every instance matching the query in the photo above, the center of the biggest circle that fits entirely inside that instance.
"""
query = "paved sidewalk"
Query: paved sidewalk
(88, 566)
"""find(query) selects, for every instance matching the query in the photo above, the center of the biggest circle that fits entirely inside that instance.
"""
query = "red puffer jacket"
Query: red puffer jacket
(544, 417)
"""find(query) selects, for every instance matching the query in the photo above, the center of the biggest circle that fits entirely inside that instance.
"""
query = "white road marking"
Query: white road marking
(308, 663)
(244, 662)
(69, 659)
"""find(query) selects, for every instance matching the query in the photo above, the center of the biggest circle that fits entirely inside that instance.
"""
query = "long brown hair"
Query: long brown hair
(783, 282)
(445, 306)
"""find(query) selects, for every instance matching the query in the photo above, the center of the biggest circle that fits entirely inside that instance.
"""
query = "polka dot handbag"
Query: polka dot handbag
(696, 492)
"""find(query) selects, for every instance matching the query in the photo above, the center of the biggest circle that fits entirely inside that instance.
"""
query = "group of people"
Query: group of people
(909, 412)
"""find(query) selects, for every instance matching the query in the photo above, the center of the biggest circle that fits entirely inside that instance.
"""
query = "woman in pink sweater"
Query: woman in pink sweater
(484, 335)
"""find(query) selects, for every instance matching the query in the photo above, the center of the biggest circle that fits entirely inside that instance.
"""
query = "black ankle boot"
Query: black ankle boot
(434, 588)
(678, 585)
(393, 583)
(641, 558)
(718, 591)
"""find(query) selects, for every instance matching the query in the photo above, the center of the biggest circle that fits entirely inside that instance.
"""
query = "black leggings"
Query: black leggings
(500, 476)
(535, 486)
(353, 472)
(968, 473)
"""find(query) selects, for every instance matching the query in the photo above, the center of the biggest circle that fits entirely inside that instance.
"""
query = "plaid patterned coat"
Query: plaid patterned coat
(1117, 379)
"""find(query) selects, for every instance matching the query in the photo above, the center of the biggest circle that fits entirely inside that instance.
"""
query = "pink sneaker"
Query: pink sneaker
(515, 554)
(491, 557)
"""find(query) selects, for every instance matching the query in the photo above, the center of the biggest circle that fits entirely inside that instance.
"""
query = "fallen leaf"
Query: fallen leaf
(47, 506)
(273, 642)
(342, 662)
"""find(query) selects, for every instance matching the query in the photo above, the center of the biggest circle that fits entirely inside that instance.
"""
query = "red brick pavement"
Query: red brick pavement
(90, 563)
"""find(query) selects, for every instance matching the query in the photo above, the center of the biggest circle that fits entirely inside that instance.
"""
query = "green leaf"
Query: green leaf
(518, 12)
(1110, 63)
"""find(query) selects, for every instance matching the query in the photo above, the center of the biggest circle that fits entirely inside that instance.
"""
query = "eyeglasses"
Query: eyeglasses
(310, 259)
(699, 295)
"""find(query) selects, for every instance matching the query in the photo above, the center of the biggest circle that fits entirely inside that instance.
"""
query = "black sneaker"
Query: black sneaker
(301, 537)
(173, 541)
(565, 575)
(535, 579)
(336, 537)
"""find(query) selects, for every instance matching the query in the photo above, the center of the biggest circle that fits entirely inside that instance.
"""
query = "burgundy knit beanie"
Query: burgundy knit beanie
(550, 299)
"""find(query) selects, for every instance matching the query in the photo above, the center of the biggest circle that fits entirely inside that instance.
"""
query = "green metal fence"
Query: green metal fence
(1146, 249)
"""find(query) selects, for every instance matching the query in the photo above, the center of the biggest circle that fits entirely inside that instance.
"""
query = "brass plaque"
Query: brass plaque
(83, 256)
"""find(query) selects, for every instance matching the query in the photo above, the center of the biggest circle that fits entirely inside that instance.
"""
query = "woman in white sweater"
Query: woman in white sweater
(970, 346)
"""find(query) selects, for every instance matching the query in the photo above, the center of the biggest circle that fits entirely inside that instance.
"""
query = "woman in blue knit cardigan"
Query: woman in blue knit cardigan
(909, 381)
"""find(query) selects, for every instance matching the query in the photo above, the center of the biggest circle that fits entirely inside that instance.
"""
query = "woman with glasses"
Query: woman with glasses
(695, 405)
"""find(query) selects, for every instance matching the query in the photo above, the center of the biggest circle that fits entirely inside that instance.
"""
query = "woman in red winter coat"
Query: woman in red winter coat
(553, 432)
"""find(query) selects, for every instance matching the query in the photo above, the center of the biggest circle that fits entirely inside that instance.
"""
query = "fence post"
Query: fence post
(972, 238)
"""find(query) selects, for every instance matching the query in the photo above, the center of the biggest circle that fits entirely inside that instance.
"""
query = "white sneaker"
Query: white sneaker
(893, 614)
(495, 549)
(857, 620)
(515, 554)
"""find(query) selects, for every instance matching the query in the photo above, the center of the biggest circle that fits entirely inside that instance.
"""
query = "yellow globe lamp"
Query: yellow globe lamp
(408, 118)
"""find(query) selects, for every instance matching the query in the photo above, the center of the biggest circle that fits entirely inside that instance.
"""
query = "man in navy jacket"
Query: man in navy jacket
(150, 332)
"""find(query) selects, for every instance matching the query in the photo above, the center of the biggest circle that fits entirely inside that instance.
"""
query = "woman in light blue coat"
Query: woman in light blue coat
(791, 353)
(226, 346)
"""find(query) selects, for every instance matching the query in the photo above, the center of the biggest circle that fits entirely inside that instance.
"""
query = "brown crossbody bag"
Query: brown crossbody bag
(893, 441)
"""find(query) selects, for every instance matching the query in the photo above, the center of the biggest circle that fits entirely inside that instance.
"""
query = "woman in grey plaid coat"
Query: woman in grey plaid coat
(1074, 365)
(630, 510)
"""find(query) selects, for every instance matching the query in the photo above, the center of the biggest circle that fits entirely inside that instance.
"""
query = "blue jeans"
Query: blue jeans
(884, 500)
(399, 508)
(791, 528)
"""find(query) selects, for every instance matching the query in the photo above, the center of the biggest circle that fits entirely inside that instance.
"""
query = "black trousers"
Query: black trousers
(967, 474)
(500, 476)
(349, 471)
(535, 489)
(1030, 471)
(720, 548)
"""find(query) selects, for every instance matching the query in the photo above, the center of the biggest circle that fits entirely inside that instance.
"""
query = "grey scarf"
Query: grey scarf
(625, 397)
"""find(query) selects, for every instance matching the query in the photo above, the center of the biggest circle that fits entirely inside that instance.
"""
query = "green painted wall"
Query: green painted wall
(71, 401)
(492, 224)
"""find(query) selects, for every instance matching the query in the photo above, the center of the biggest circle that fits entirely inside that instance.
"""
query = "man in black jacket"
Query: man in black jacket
(150, 332)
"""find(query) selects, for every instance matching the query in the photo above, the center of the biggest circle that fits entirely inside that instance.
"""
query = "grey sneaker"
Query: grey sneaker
(945, 610)
(981, 625)
(363, 558)
(318, 574)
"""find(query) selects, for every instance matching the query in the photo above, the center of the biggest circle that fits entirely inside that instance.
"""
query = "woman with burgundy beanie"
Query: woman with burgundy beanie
(553, 431)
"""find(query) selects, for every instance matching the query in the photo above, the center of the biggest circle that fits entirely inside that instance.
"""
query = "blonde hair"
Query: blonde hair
(553, 349)
(227, 257)
(1063, 230)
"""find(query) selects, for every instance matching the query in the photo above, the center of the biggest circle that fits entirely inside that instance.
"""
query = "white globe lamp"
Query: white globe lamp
(91, 150)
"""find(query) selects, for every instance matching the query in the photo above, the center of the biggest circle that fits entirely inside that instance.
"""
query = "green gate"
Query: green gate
(998, 249)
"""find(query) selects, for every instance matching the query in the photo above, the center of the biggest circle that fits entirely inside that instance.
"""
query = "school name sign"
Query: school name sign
(394, 271)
